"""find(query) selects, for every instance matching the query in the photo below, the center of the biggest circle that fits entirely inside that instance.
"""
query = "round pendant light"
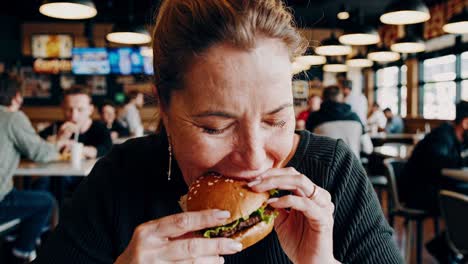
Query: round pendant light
(405, 12)
(129, 35)
(332, 47)
(334, 66)
(458, 24)
(69, 9)
(408, 44)
(359, 61)
(359, 36)
(383, 55)
(311, 60)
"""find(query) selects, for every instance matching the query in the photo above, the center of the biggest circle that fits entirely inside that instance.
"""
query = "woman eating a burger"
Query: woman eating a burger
(223, 78)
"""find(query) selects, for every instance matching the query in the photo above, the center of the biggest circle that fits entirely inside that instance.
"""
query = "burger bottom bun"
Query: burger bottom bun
(253, 234)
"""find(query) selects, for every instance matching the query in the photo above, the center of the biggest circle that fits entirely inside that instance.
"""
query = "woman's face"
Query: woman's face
(235, 116)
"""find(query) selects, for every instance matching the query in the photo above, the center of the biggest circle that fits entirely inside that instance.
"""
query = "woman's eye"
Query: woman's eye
(280, 123)
(213, 131)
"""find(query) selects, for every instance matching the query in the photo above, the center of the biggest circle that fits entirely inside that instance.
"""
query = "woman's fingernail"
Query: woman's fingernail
(252, 183)
(221, 260)
(235, 246)
(222, 214)
(272, 200)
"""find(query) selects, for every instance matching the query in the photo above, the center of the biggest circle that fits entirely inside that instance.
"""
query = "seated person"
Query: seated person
(130, 116)
(422, 180)
(442, 148)
(108, 117)
(313, 104)
(17, 138)
(336, 120)
(376, 120)
(77, 109)
(394, 122)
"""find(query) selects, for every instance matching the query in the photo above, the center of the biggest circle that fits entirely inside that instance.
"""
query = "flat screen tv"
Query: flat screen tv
(125, 60)
(90, 61)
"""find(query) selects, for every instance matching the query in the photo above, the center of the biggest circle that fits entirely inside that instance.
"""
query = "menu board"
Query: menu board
(51, 46)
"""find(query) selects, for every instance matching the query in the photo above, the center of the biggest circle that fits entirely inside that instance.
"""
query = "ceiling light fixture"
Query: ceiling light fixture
(332, 47)
(383, 55)
(458, 24)
(334, 66)
(359, 61)
(69, 9)
(405, 12)
(129, 33)
(408, 44)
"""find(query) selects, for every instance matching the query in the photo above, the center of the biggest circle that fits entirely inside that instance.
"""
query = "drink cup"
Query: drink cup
(76, 154)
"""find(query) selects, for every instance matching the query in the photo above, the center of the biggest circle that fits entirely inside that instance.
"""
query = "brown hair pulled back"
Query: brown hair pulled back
(185, 28)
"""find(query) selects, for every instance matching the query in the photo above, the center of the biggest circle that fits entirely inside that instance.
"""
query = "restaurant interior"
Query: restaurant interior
(402, 66)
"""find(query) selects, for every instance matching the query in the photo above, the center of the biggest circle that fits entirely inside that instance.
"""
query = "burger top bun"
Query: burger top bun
(217, 192)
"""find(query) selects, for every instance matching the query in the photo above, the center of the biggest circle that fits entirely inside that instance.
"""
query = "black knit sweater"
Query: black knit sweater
(129, 187)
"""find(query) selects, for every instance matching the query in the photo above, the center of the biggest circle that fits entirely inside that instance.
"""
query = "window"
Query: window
(439, 88)
(464, 76)
(391, 89)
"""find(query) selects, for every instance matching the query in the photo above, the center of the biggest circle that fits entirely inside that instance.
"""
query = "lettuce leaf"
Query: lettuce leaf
(214, 232)
(208, 233)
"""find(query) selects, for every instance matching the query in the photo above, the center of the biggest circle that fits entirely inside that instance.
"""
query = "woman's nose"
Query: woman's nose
(251, 153)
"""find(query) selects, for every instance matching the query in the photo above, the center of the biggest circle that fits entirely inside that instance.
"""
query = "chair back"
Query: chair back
(394, 170)
(349, 131)
(454, 208)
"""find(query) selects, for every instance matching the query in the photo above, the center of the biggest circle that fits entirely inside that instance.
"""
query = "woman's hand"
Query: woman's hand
(170, 240)
(306, 231)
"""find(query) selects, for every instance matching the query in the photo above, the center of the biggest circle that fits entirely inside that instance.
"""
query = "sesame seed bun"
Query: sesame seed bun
(217, 192)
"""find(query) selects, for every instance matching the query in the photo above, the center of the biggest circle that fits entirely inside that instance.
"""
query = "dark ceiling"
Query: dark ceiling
(308, 13)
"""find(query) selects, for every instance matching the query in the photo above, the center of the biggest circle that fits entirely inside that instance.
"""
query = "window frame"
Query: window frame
(399, 64)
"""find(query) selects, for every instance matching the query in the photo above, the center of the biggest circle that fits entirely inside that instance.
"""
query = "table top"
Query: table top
(394, 150)
(59, 168)
(460, 174)
(384, 135)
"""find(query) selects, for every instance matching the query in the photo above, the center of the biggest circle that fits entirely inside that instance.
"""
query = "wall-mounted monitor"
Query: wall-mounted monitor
(51, 46)
(90, 61)
(147, 54)
(125, 60)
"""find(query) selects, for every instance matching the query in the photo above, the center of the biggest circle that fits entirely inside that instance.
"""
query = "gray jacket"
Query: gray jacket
(18, 137)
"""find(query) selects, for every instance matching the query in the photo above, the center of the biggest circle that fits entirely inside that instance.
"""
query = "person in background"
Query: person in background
(18, 137)
(108, 115)
(313, 104)
(336, 120)
(377, 120)
(394, 124)
(443, 147)
(77, 109)
(130, 116)
(356, 100)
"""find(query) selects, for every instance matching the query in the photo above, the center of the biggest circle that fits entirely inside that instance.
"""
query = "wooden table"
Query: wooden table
(406, 138)
(59, 168)
(394, 150)
(457, 174)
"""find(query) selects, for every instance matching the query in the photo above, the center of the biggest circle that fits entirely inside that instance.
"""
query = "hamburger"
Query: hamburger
(251, 218)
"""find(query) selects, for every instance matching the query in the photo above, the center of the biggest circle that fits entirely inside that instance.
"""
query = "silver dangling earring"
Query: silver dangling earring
(169, 148)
